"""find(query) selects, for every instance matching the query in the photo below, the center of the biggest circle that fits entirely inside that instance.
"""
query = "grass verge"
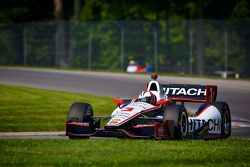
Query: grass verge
(231, 152)
(30, 109)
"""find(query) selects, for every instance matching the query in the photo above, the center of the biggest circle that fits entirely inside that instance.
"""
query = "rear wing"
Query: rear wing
(190, 93)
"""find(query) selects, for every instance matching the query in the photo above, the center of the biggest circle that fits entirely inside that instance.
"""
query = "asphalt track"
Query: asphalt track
(236, 93)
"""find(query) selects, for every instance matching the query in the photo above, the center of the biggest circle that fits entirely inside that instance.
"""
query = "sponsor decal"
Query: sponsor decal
(128, 109)
(139, 104)
(213, 124)
(142, 125)
(122, 115)
(116, 119)
(185, 91)
(112, 122)
(78, 123)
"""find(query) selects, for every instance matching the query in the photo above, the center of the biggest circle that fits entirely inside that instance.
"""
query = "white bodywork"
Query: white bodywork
(211, 115)
(122, 115)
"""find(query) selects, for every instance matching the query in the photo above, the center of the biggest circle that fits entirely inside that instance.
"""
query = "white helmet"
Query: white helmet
(148, 97)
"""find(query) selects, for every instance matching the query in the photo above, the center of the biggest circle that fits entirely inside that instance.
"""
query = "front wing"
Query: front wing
(156, 131)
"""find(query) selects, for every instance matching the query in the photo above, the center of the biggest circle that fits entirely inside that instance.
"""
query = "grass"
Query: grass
(30, 109)
(231, 152)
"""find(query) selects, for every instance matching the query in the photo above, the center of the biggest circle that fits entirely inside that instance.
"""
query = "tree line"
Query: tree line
(25, 11)
(16, 11)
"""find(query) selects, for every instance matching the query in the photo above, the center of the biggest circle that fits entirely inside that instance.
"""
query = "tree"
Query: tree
(200, 52)
(20, 11)
(77, 8)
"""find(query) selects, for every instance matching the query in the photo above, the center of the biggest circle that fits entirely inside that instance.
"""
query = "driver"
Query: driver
(148, 97)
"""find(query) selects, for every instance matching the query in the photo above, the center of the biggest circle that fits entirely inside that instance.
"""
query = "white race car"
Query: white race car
(159, 113)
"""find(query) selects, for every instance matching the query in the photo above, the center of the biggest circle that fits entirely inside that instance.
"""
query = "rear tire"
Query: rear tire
(226, 121)
(177, 114)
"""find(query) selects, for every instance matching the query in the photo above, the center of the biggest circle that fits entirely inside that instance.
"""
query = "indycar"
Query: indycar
(158, 113)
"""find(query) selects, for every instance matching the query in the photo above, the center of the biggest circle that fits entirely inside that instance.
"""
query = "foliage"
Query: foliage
(161, 10)
(19, 11)
(171, 19)
(39, 52)
(35, 10)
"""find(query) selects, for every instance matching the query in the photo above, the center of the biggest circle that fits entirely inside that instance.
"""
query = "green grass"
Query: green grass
(231, 152)
(29, 109)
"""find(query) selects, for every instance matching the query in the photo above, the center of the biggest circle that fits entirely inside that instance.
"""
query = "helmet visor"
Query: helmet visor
(145, 99)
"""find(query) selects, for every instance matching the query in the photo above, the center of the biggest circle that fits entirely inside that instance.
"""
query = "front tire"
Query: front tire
(80, 112)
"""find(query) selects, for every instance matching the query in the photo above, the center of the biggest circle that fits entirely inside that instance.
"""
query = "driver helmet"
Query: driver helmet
(149, 97)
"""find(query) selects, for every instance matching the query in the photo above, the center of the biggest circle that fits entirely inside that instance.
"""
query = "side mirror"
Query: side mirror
(161, 102)
(118, 101)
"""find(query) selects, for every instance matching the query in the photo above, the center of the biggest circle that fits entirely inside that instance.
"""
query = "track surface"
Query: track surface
(236, 133)
(236, 93)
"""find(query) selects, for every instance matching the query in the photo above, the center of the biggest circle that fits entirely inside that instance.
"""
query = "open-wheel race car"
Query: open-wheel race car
(158, 113)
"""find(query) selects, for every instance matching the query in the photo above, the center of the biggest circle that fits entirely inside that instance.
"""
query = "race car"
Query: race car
(158, 113)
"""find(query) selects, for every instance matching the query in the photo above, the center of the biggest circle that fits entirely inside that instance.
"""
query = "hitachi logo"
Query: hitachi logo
(183, 91)
(213, 124)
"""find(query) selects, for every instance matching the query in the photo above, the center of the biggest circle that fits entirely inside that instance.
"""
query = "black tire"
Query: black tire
(226, 121)
(178, 115)
(80, 112)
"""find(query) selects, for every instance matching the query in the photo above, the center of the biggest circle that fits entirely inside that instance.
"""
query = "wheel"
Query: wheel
(177, 114)
(226, 121)
(80, 112)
